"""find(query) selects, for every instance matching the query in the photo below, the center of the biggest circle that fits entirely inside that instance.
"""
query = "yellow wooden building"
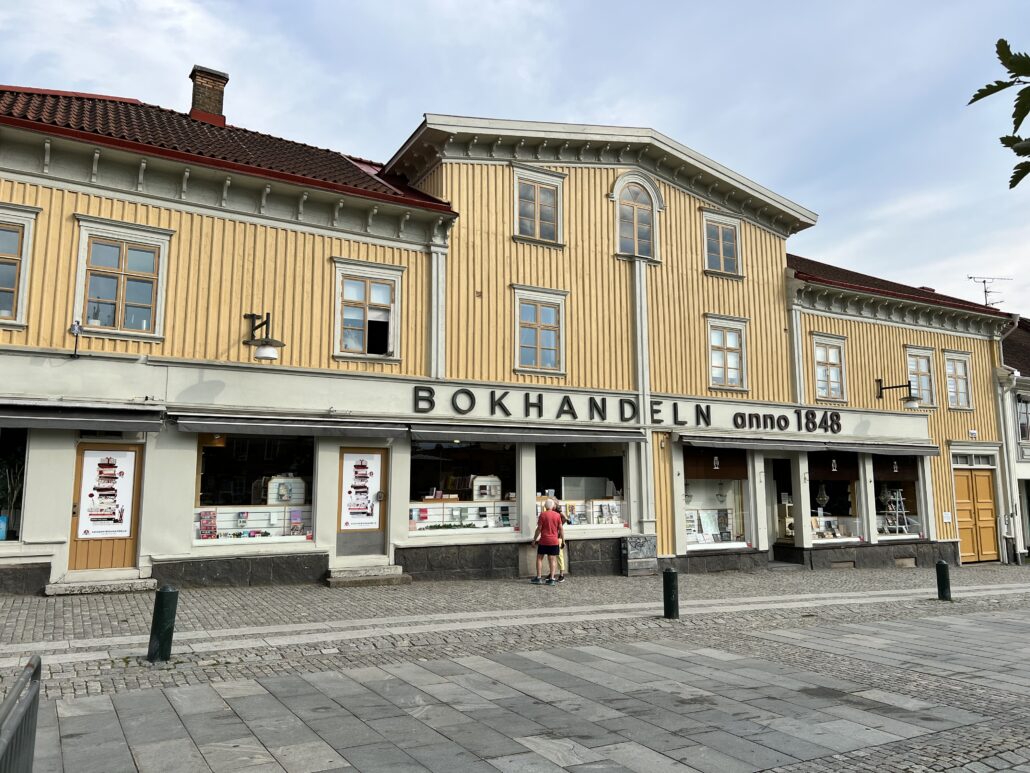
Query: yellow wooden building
(228, 357)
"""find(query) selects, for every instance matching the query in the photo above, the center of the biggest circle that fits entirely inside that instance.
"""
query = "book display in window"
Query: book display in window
(439, 514)
(256, 523)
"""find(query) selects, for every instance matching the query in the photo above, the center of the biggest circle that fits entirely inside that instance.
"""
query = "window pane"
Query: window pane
(10, 241)
(729, 249)
(732, 339)
(353, 340)
(380, 293)
(712, 248)
(101, 314)
(547, 232)
(526, 192)
(643, 232)
(527, 356)
(8, 275)
(353, 290)
(714, 263)
(718, 376)
(644, 248)
(718, 358)
(526, 227)
(137, 318)
(732, 360)
(527, 336)
(106, 255)
(836, 391)
(732, 377)
(821, 374)
(353, 316)
(644, 216)
(716, 336)
(141, 260)
(139, 292)
(626, 245)
(548, 358)
(730, 265)
(548, 196)
(547, 214)
(526, 208)
(527, 312)
(378, 331)
(625, 213)
(6, 304)
(103, 287)
(549, 339)
(834, 353)
(548, 315)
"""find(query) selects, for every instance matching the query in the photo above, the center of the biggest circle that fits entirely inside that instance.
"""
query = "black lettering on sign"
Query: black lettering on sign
(740, 420)
(470, 401)
(782, 423)
(676, 416)
(628, 410)
(497, 403)
(566, 408)
(599, 408)
(538, 404)
(703, 415)
(768, 421)
(656, 411)
(754, 421)
(425, 399)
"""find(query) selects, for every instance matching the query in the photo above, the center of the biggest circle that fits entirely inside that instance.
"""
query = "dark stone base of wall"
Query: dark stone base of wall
(243, 571)
(592, 557)
(460, 562)
(24, 579)
(705, 562)
(884, 555)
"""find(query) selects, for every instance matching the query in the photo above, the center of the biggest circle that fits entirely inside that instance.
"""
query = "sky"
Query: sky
(856, 110)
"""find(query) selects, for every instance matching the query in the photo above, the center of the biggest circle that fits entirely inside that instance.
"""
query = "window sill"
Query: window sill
(12, 324)
(723, 274)
(537, 242)
(832, 400)
(734, 390)
(342, 357)
(962, 409)
(539, 372)
(92, 332)
(627, 256)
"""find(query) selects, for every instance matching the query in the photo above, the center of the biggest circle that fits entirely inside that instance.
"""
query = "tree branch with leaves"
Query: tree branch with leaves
(1018, 67)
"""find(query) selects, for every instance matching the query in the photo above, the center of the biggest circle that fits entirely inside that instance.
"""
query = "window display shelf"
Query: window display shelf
(441, 516)
(894, 521)
(591, 514)
(250, 524)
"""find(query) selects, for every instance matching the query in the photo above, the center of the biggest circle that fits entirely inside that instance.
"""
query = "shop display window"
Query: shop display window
(12, 481)
(833, 477)
(462, 487)
(715, 492)
(780, 471)
(896, 485)
(587, 482)
(253, 488)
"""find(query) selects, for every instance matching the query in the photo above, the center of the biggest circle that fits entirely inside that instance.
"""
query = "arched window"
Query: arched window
(636, 222)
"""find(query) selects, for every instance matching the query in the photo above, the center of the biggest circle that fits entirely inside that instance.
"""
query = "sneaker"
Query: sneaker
(550, 581)
(561, 578)
(537, 581)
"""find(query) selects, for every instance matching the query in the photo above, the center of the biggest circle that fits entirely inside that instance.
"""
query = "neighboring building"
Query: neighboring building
(1014, 380)
(502, 310)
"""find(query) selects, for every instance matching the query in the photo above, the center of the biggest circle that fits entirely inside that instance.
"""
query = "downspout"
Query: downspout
(792, 285)
(648, 517)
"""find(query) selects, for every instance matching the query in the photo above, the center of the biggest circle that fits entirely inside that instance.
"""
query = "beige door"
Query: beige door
(975, 515)
(105, 507)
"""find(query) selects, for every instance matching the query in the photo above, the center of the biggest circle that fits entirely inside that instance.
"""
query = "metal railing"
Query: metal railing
(18, 720)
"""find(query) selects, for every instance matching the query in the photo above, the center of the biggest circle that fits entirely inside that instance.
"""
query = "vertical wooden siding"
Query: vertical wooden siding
(663, 506)
(875, 351)
(434, 183)
(218, 270)
(681, 293)
(484, 261)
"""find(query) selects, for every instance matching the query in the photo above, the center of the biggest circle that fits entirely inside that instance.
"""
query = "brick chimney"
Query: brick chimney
(208, 92)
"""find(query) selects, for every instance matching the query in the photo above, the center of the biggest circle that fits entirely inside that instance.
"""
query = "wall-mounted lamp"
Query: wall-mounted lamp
(909, 400)
(76, 330)
(267, 347)
(715, 462)
(833, 465)
(894, 466)
(720, 493)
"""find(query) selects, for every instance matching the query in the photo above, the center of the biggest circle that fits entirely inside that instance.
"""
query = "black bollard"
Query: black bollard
(943, 581)
(671, 588)
(165, 601)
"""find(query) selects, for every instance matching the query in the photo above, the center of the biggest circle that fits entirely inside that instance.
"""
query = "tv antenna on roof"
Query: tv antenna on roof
(987, 281)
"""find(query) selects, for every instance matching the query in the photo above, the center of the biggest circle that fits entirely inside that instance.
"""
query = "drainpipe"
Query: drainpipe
(647, 514)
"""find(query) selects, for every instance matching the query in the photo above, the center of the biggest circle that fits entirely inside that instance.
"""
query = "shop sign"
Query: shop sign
(543, 406)
(106, 494)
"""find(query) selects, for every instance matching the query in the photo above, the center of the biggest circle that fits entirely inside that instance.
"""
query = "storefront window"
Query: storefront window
(833, 477)
(715, 491)
(12, 481)
(783, 483)
(253, 488)
(896, 482)
(587, 481)
(462, 487)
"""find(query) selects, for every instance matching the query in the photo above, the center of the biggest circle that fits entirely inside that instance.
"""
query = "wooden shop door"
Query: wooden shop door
(105, 508)
(975, 515)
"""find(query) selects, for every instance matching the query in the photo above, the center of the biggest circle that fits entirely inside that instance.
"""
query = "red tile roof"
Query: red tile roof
(832, 276)
(133, 125)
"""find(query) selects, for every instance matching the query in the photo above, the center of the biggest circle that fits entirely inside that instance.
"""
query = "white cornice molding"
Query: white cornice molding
(529, 142)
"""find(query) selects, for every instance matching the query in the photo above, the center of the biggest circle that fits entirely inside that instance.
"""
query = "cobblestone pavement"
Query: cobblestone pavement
(792, 671)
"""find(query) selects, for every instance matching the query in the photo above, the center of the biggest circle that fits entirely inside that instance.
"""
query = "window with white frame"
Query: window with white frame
(540, 322)
(956, 368)
(722, 254)
(637, 204)
(121, 277)
(1023, 418)
(367, 309)
(538, 204)
(920, 374)
(829, 368)
(16, 224)
(726, 353)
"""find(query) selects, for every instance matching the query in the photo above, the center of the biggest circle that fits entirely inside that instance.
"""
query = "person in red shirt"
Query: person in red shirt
(548, 538)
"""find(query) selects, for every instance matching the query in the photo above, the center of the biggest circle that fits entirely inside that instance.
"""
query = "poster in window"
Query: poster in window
(361, 488)
(106, 494)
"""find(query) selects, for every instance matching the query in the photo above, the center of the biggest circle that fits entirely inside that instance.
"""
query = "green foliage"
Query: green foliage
(1017, 64)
